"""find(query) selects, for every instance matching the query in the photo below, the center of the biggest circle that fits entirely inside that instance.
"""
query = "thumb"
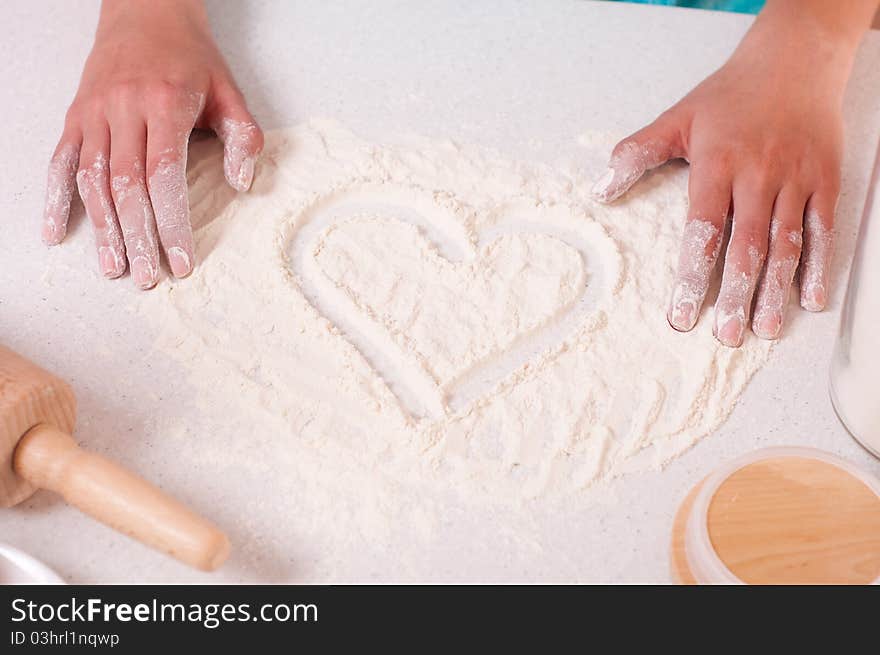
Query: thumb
(241, 136)
(646, 149)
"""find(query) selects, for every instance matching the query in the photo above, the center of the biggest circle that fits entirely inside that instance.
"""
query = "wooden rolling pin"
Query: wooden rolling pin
(37, 415)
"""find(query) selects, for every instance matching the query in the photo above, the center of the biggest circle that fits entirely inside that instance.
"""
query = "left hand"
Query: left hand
(153, 75)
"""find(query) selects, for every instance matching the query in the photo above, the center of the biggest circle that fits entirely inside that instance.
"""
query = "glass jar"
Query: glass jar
(855, 365)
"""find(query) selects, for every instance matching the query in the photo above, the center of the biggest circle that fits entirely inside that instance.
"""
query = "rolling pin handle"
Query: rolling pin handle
(50, 459)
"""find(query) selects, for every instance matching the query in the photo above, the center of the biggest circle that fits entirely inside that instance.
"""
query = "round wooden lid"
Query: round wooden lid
(790, 520)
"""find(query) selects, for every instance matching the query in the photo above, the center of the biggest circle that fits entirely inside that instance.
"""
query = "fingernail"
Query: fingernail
(814, 299)
(731, 332)
(179, 261)
(143, 274)
(601, 188)
(768, 325)
(683, 309)
(112, 265)
(682, 317)
(245, 174)
(51, 233)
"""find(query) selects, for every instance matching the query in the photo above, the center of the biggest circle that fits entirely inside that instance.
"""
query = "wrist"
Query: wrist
(813, 33)
(798, 48)
(169, 16)
(841, 24)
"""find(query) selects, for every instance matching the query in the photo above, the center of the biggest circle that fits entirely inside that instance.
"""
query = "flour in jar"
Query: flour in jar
(433, 311)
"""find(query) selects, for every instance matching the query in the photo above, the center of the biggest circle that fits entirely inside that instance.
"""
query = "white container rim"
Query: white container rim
(28, 567)
(705, 564)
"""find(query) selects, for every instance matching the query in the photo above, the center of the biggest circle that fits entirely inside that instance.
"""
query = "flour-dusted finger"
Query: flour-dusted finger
(646, 149)
(242, 137)
(168, 131)
(60, 185)
(774, 289)
(133, 207)
(708, 205)
(818, 248)
(746, 250)
(93, 182)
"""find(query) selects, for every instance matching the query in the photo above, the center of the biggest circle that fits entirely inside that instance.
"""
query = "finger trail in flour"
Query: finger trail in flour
(278, 336)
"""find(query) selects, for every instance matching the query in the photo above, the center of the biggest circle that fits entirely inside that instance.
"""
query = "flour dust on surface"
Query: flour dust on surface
(431, 314)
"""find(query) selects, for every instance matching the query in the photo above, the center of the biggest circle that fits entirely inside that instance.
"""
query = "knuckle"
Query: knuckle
(155, 162)
(763, 187)
(768, 165)
(132, 233)
(714, 166)
(91, 166)
(166, 97)
(771, 153)
(788, 219)
(84, 175)
(786, 237)
(167, 153)
(750, 233)
(126, 169)
(122, 92)
(625, 148)
(175, 227)
(95, 111)
(241, 134)
(765, 178)
(85, 109)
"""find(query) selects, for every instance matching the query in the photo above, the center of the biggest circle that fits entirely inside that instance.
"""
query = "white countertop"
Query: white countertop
(526, 78)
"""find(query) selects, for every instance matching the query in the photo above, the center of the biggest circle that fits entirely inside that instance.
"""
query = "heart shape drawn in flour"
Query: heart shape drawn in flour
(444, 302)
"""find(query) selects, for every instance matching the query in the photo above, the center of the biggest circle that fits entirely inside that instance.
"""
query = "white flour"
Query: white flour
(431, 311)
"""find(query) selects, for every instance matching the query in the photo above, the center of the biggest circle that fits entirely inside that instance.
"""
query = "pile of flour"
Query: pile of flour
(432, 311)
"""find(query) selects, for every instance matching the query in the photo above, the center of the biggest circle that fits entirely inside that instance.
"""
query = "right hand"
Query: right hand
(764, 138)
(153, 75)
